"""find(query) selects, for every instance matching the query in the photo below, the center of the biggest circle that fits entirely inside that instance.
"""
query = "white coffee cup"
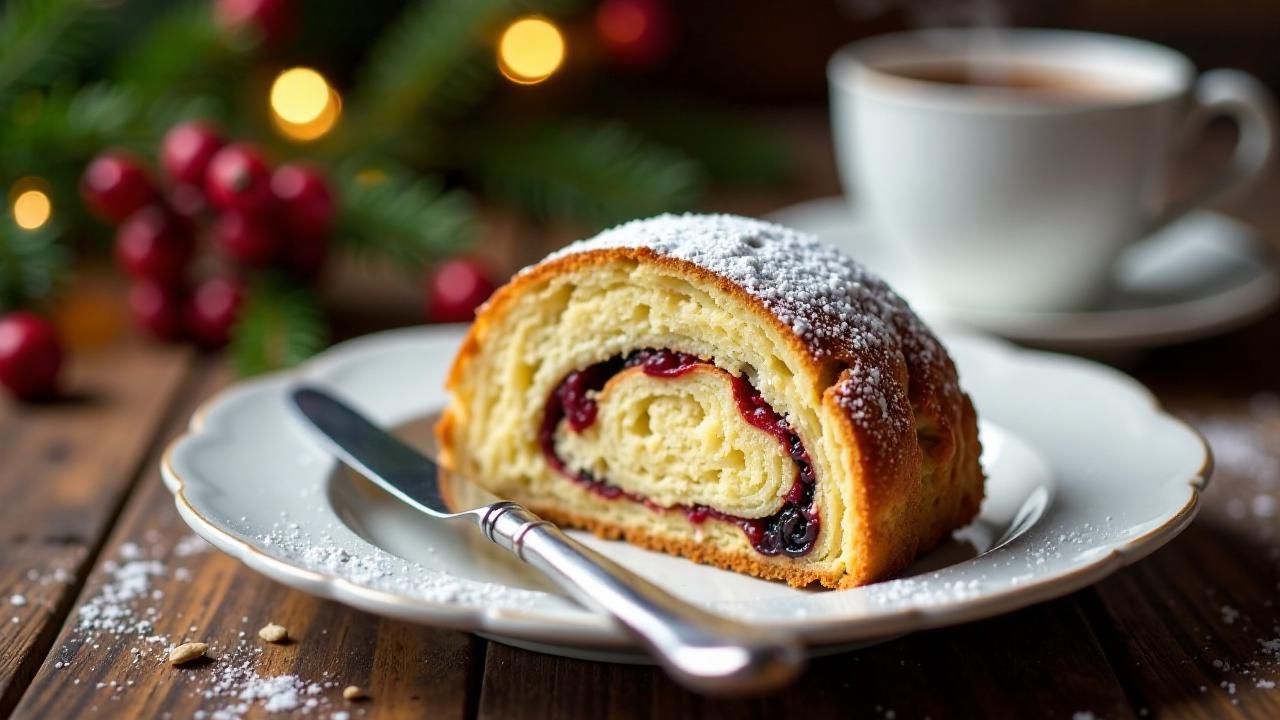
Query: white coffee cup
(1020, 198)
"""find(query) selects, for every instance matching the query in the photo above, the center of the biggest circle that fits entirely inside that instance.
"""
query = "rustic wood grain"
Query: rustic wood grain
(1187, 660)
(409, 671)
(1014, 666)
(1186, 627)
(36, 591)
(1200, 618)
(66, 468)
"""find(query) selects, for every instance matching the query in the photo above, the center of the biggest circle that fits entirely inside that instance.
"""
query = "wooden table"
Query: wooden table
(1193, 631)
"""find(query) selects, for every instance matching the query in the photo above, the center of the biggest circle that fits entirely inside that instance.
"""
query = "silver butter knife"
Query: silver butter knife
(701, 650)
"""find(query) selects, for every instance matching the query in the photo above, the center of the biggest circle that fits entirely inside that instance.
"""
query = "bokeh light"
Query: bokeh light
(299, 95)
(304, 106)
(31, 204)
(530, 50)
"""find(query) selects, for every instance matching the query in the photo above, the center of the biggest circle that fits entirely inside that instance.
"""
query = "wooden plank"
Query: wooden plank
(67, 465)
(1200, 618)
(1015, 666)
(409, 671)
(33, 601)
(68, 462)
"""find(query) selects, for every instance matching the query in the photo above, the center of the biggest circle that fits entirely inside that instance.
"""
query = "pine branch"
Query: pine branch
(32, 264)
(409, 68)
(595, 174)
(407, 219)
(436, 60)
(183, 51)
(42, 39)
(280, 325)
(66, 123)
(731, 150)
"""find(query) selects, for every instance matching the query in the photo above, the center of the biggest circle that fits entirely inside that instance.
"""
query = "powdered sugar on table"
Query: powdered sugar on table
(126, 613)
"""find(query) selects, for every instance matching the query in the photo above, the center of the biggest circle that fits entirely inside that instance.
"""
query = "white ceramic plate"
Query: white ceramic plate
(1201, 276)
(1086, 474)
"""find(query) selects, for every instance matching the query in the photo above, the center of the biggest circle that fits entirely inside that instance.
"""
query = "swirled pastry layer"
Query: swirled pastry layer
(720, 388)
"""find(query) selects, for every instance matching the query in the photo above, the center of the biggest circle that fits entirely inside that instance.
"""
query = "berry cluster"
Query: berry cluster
(255, 216)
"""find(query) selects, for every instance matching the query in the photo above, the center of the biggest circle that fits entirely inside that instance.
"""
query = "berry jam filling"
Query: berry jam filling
(791, 531)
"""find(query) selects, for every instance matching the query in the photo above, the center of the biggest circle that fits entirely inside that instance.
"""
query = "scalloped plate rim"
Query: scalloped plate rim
(560, 630)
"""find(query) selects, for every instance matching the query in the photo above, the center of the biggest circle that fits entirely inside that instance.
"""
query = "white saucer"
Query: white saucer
(1202, 276)
(1056, 517)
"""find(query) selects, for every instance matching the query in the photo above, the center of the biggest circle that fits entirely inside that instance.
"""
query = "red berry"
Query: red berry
(456, 289)
(30, 355)
(306, 204)
(270, 22)
(636, 32)
(186, 200)
(115, 184)
(245, 237)
(157, 308)
(238, 177)
(213, 310)
(156, 244)
(186, 150)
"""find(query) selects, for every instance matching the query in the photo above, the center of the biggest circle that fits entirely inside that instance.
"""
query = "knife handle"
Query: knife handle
(701, 650)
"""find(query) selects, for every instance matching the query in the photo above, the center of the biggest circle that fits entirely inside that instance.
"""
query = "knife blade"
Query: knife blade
(701, 650)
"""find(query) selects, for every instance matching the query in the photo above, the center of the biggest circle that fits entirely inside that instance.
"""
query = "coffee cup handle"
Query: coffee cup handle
(1246, 101)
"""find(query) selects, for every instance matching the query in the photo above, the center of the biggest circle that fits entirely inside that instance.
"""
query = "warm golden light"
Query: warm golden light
(299, 95)
(32, 209)
(303, 104)
(530, 50)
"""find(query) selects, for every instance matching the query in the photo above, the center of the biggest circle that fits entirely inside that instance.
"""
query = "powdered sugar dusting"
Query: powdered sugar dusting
(840, 309)
(375, 568)
(825, 297)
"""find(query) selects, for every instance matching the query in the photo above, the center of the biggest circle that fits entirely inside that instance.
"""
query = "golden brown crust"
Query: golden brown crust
(918, 447)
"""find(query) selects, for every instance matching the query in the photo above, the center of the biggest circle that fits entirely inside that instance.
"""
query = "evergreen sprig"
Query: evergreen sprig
(425, 61)
(436, 60)
(597, 174)
(183, 51)
(40, 40)
(32, 264)
(731, 150)
(70, 125)
(406, 218)
(66, 122)
(279, 326)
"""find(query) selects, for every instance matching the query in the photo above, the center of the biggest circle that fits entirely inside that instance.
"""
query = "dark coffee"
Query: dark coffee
(1041, 80)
